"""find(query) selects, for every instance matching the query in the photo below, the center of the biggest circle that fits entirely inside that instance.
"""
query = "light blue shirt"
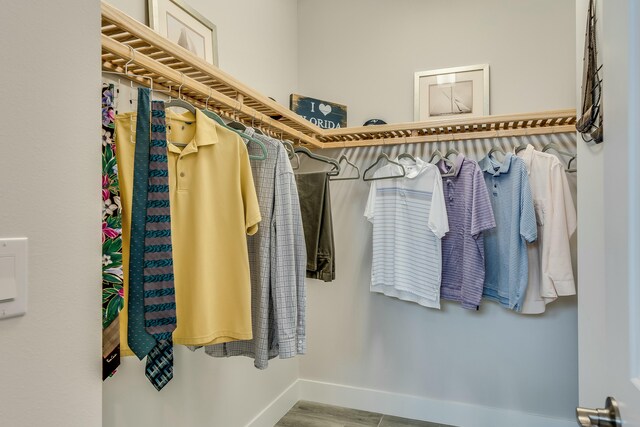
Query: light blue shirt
(505, 246)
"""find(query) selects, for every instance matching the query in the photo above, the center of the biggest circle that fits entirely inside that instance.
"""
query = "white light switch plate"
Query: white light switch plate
(13, 277)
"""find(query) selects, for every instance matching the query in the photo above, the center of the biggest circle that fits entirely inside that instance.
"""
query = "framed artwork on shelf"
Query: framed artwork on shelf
(451, 92)
(185, 26)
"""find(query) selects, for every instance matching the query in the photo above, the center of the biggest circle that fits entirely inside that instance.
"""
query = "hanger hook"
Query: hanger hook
(206, 102)
(181, 84)
(132, 51)
(238, 109)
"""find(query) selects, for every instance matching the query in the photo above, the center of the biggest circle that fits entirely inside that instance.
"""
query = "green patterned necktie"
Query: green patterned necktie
(140, 341)
(152, 315)
(159, 291)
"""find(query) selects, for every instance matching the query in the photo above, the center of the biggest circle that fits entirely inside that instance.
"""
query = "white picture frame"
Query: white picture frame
(185, 26)
(451, 92)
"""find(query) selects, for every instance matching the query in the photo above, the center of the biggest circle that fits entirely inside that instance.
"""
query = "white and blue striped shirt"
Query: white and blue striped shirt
(409, 218)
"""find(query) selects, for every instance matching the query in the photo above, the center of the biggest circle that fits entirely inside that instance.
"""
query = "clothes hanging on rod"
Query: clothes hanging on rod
(517, 216)
(211, 264)
(150, 297)
(111, 240)
(277, 261)
(315, 206)
(214, 205)
(409, 219)
(470, 214)
(550, 268)
(506, 266)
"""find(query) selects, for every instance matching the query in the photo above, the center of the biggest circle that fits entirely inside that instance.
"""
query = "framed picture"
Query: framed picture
(451, 92)
(185, 26)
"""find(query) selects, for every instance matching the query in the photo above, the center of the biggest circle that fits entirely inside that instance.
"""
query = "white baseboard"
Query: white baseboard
(270, 415)
(420, 408)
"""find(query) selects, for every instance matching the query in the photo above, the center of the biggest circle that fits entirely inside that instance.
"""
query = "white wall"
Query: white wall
(49, 192)
(257, 40)
(366, 59)
(363, 53)
(207, 391)
(591, 234)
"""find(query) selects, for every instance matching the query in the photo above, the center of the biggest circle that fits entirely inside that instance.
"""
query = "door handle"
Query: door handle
(605, 417)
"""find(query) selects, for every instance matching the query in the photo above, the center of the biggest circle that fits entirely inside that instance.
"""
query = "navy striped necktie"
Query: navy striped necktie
(151, 306)
(159, 290)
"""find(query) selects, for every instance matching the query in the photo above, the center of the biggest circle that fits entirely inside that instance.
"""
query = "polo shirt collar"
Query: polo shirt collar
(444, 167)
(527, 156)
(490, 165)
(205, 134)
(412, 170)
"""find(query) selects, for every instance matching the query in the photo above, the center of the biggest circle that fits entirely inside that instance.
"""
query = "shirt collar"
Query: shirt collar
(444, 167)
(490, 165)
(527, 156)
(411, 170)
(205, 134)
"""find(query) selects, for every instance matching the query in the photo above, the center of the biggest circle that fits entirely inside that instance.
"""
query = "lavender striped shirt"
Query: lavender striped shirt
(470, 213)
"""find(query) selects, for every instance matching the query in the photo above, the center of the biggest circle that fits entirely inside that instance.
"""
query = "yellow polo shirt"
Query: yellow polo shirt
(213, 206)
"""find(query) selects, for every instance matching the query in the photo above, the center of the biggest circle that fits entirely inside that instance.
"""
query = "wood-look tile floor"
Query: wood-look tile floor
(311, 414)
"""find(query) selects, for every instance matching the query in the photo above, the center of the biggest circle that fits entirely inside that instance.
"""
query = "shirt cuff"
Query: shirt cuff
(563, 288)
(287, 348)
(292, 347)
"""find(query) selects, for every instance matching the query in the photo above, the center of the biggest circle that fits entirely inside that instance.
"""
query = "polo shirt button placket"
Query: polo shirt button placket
(181, 174)
(452, 189)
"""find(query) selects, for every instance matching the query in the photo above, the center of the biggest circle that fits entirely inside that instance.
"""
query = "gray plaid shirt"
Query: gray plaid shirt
(277, 261)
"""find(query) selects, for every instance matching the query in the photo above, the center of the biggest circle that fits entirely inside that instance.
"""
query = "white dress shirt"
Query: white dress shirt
(550, 268)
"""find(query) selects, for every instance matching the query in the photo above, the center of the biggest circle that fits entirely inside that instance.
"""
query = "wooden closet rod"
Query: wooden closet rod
(196, 92)
(508, 125)
(127, 41)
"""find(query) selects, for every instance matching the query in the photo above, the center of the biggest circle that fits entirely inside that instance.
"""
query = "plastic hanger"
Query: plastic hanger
(383, 157)
(288, 145)
(496, 149)
(406, 156)
(571, 156)
(450, 152)
(521, 147)
(336, 166)
(437, 155)
(295, 166)
(240, 128)
(221, 122)
(179, 102)
(126, 74)
(343, 158)
(553, 146)
(212, 115)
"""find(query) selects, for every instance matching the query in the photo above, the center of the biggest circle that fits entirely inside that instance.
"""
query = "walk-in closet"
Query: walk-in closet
(297, 213)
